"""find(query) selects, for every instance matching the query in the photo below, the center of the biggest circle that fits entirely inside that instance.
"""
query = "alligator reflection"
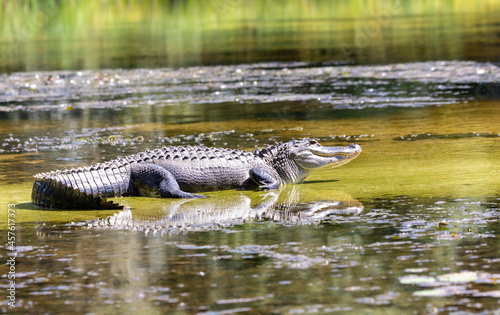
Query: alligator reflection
(286, 206)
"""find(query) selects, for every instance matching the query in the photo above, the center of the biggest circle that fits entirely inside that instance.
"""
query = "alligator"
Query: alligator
(183, 171)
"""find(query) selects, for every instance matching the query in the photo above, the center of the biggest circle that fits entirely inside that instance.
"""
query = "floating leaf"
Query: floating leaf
(416, 270)
(443, 291)
(414, 279)
(459, 277)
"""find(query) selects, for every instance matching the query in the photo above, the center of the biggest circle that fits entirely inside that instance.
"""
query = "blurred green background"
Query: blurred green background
(54, 35)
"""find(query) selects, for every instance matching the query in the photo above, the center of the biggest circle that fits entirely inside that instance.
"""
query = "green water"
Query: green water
(45, 35)
(410, 226)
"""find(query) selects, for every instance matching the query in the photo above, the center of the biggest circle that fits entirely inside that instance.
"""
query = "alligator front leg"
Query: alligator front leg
(263, 179)
(151, 178)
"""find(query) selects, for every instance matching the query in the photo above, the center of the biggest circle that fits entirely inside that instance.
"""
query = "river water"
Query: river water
(410, 226)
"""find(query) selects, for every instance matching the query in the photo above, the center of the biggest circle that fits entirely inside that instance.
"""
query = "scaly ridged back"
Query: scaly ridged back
(190, 153)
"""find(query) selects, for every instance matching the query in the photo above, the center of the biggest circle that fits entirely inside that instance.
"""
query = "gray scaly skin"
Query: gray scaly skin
(180, 172)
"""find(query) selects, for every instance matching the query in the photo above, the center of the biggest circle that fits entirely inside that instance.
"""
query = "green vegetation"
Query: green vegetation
(51, 34)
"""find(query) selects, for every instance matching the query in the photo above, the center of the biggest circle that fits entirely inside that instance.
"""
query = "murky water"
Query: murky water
(408, 255)
(411, 226)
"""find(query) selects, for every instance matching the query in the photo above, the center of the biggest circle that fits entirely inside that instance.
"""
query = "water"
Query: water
(410, 226)
(402, 255)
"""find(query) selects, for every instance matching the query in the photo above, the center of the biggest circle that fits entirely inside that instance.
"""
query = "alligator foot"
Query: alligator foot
(263, 179)
(168, 193)
(149, 179)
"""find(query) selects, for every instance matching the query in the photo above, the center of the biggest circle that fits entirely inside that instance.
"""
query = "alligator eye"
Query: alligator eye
(313, 141)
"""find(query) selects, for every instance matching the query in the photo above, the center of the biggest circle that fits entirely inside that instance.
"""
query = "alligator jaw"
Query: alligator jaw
(319, 156)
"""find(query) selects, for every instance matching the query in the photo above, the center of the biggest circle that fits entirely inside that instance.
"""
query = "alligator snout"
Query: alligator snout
(355, 147)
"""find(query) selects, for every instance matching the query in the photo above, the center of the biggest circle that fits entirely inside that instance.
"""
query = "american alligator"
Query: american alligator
(180, 172)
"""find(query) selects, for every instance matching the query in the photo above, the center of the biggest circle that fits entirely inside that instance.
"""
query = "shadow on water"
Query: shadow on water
(290, 204)
(321, 181)
(285, 206)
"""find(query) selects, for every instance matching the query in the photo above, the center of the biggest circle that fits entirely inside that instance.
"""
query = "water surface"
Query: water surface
(410, 226)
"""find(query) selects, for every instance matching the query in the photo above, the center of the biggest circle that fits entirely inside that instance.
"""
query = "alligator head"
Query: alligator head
(311, 155)
(296, 159)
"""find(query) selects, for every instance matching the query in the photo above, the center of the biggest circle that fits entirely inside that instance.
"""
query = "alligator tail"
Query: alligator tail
(50, 193)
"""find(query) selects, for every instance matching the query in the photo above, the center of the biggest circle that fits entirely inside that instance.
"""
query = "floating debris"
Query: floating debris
(338, 87)
(452, 136)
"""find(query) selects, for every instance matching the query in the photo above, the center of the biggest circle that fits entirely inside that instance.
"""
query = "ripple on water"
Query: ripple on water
(453, 136)
(432, 83)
